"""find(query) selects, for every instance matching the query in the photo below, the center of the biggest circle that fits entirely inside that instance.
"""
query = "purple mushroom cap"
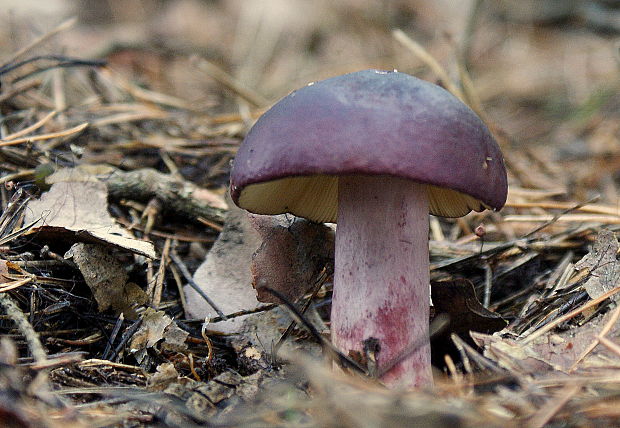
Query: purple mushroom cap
(367, 123)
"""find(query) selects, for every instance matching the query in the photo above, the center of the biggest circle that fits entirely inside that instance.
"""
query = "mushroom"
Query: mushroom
(374, 151)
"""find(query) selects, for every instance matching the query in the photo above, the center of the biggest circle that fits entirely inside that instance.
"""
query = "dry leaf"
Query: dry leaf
(602, 265)
(4, 269)
(165, 374)
(157, 326)
(78, 211)
(174, 338)
(280, 252)
(553, 350)
(457, 299)
(107, 279)
(510, 354)
(224, 276)
(290, 257)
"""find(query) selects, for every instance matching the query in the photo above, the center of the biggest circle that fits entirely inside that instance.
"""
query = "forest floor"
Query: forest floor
(118, 124)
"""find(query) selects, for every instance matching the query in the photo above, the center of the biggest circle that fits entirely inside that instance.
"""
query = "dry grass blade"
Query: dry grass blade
(225, 79)
(43, 137)
(608, 326)
(536, 334)
(18, 88)
(95, 362)
(546, 413)
(11, 236)
(611, 345)
(24, 327)
(142, 94)
(559, 215)
(7, 286)
(64, 26)
(30, 128)
(552, 205)
(549, 219)
(154, 293)
(136, 116)
(429, 60)
(23, 174)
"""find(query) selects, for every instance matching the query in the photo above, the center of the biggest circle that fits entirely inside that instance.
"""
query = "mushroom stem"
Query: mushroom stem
(381, 282)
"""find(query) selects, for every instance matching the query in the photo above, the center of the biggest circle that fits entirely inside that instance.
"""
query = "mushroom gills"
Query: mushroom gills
(316, 198)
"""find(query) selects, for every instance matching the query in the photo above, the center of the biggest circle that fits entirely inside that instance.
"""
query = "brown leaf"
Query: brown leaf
(78, 211)
(106, 277)
(280, 252)
(165, 374)
(224, 276)
(557, 351)
(457, 299)
(157, 327)
(4, 269)
(602, 265)
(290, 258)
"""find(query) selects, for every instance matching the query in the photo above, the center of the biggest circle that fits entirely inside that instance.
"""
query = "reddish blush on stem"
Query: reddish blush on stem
(381, 283)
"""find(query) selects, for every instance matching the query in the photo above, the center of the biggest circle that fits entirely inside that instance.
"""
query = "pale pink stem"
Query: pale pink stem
(381, 282)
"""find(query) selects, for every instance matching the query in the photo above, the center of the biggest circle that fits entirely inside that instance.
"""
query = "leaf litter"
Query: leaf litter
(114, 179)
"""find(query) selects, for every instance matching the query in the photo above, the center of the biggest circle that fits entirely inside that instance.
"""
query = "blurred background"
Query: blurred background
(545, 71)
